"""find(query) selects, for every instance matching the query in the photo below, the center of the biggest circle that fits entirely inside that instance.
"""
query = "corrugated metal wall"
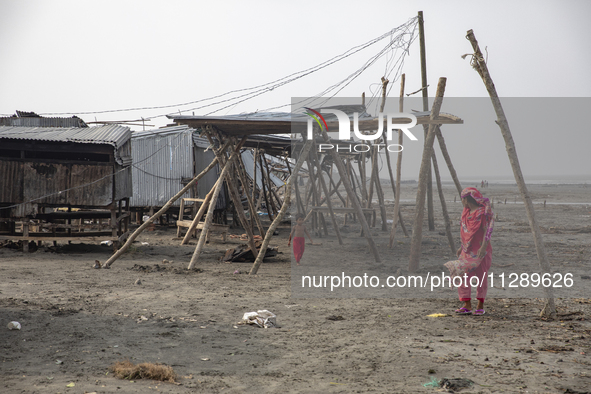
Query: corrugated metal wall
(160, 160)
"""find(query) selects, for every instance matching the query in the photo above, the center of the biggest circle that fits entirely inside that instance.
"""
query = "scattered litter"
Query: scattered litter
(455, 384)
(438, 315)
(433, 383)
(59, 362)
(145, 218)
(14, 325)
(205, 359)
(145, 244)
(335, 317)
(451, 385)
(261, 318)
(97, 264)
(167, 261)
(107, 243)
(237, 272)
(138, 281)
(71, 384)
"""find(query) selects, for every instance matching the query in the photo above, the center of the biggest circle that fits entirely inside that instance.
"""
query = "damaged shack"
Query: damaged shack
(64, 183)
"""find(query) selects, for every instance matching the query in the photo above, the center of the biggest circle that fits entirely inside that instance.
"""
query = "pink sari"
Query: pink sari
(475, 228)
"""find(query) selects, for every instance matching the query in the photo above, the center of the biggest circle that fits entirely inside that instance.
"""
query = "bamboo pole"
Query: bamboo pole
(328, 201)
(445, 153)
(269, 184)
(232, 189)
(417, 231)
(254, 217)
(268, 206)
(398, 171)
(265, 244)
(479, 64)
(354, 200)
(214, 197)
(450, 237)
(152, 218)
(199, 214)
(425, 93)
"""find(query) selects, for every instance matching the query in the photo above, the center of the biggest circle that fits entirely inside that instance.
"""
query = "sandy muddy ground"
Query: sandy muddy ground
(76, 321)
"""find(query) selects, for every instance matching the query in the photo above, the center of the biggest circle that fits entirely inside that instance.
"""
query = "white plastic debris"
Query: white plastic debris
(14, 325)
(262, 318)
(145, 244)
(145, 218)
(107, 243)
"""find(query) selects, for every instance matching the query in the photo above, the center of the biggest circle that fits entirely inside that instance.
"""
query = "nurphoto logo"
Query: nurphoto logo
(345, 130)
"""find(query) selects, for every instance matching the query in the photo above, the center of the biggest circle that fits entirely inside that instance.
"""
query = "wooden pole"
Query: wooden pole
(450, 237)
(479, 64)
(296, 169)
(415, 245)
(269, 209)
(269, 183)
(326, 193)
(354, 200)
(199, 214)
(398, 171)
(445, 153)
(214, 197)
(430, 215)
(233, 190)
(254, 217)
(152, 218)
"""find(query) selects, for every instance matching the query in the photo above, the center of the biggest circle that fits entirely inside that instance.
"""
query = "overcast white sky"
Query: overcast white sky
(73, 57)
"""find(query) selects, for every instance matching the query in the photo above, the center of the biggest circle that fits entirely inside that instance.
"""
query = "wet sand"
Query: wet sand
(88, 319)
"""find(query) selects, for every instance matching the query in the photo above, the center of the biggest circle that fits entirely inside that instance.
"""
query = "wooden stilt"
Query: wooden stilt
(269, 184)
(450, 237)
(356, 204)
(445, 154)
(263, 179)
(397, 215)
(166, 206)
(209, 218)
(254, 217)
(415, 246)
(480, 65)
(425, 93)
(327, 194)
(286, 200)
(198, 215)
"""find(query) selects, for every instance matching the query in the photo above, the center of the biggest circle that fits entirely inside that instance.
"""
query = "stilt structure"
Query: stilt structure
(479, 64)
(415, 246)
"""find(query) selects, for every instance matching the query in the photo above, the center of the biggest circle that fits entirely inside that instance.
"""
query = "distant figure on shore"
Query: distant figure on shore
(298, 232)
(481, 183)
(475, 254)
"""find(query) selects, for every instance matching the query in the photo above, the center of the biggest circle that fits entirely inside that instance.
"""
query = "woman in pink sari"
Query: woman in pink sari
(475, 254)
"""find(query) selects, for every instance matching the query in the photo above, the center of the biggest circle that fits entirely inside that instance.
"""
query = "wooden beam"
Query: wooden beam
(480, 65)
(415, 245)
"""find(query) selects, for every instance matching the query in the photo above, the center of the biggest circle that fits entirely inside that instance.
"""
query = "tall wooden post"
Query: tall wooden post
(480, 65)
(430, 215)
(398, 169)
(286, 200)
(450, 166)
(417, 230)
(354, 200)
(450, 237)
(209, 218)
(162, 210)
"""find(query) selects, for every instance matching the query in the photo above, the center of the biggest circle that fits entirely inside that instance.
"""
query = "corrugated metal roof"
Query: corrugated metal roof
(42, 122)
(109, 134)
